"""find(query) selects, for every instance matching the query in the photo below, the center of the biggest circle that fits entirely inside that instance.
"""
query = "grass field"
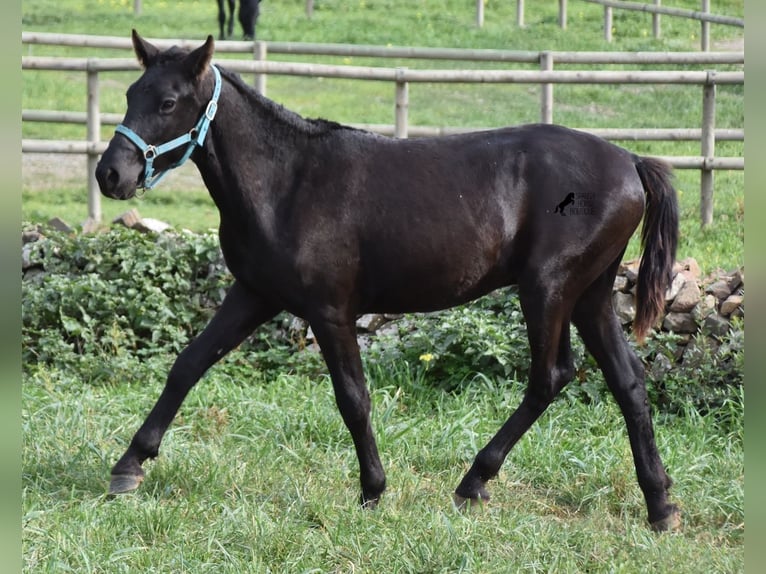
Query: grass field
(257, 473)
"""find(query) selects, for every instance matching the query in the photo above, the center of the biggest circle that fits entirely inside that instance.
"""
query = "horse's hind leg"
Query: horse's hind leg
(238, 316)
(624, 373)
(550, 370)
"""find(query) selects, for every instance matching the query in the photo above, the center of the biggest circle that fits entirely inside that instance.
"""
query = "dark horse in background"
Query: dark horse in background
(329, 222)
(247, 15)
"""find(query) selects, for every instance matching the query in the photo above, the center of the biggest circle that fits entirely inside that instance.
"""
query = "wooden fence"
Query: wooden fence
(655, 9)
(546, 77)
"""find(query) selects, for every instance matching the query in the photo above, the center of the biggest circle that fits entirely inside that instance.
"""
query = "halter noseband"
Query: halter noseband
(195, 137)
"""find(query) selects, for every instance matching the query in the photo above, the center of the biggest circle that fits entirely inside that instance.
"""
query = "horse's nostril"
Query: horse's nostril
(112, 177)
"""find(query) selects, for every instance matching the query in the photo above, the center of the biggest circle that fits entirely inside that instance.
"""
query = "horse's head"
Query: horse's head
(167, 103)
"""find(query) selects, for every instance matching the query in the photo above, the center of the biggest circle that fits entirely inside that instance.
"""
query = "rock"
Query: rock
(689, 267)
(149, 225)
(30, 236)
(129, 219)
(720, 289)
(59, 225)
(675, 287)
(730, 304)
(734, 280)
(680, 323)
(630, 270)
(716, 325)
(369, 323)
(686, 298)
(624, 306)
(620, 283)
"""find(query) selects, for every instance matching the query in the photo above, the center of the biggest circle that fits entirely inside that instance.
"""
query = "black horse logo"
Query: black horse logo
(568, 200)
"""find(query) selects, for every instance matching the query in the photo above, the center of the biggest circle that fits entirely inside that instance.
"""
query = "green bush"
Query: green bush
(118, 292)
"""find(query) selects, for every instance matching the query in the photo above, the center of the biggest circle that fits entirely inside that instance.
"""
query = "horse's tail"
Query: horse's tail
(659, 239)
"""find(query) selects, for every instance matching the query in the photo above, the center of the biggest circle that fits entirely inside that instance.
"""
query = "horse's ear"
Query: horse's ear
(145, 52)
(198, 60)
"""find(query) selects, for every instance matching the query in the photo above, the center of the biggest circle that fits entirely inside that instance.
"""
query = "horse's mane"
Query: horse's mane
(312, 127)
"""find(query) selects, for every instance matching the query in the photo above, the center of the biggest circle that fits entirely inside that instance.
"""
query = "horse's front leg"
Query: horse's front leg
(240, 313)
(340, 349)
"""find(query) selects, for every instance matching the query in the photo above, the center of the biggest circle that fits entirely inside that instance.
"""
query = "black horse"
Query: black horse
(329, 222)
(247, 15)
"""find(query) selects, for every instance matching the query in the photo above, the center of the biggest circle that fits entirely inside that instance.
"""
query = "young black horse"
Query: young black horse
(247, 16)
(330, 222)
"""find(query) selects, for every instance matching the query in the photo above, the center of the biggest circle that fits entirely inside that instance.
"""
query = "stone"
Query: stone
(730, 304)
(689, 267)
(734, 280)
(686, 298)
(675, 287)
(620, 283)
(624, 306)
(679, 323)
(129, 219)
(370, 322)
(660, 367)
(720, 289)
(630, 270)
(150, 225)
(707, 305)
(60, 225)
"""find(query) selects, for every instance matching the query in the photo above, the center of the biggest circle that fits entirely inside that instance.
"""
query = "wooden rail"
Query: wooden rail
(546, 77)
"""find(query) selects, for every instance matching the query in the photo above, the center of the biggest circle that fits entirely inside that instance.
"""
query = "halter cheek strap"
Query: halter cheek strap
(195, 137)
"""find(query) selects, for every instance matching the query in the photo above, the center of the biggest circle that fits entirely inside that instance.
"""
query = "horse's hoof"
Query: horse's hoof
(468, 504)
(122, 483)
(671, 522)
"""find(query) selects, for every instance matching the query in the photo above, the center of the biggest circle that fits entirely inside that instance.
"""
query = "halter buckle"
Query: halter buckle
(150, 152)
(212, 108)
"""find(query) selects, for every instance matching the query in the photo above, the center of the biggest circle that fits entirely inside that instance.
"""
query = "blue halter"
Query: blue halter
(195, 137)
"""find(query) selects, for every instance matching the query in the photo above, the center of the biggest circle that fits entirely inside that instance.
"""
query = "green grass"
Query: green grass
(262, 478)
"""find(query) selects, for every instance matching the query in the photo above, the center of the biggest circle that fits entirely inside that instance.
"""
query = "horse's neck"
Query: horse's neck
(248, 157)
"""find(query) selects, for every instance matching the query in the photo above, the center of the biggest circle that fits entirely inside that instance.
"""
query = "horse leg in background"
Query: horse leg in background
(624, 373)
(230, 25)
(248, 16)
(240, 313)
(551, 369)
(340, 349)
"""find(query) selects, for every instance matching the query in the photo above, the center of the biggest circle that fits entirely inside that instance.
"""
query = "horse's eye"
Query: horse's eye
(168, 106)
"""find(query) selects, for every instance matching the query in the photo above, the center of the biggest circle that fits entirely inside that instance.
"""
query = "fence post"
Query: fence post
(260, 54)
(309, 8)
(136, 7)
(705, 32)
(479, 13)
(608, 23)
(94, 136)
(656, 22)
(563, 14)
(546, 89)
(707, 149)
(402, 105)
(520, 13)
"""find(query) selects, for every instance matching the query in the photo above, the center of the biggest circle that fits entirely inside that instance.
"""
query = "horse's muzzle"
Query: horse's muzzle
(116, 182)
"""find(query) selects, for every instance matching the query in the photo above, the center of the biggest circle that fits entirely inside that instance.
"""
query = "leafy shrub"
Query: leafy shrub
(118, 292)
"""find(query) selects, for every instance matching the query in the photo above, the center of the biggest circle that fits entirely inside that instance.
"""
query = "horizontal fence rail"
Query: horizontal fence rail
(546, 77)
(655, 9)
